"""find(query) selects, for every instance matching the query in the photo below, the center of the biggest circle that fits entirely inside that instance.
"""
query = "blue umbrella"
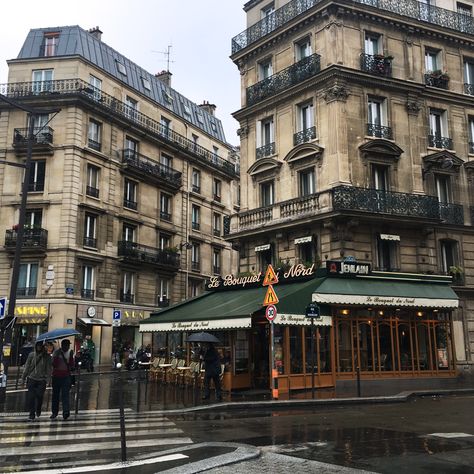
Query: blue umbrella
(59, 333)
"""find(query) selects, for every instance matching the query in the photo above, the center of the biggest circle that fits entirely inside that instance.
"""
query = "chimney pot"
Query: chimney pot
(165, 77)
(209, 108)
(96, 32)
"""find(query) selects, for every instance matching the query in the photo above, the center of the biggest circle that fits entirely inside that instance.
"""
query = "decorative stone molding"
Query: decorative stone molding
(336, 92)
(243, 132)
(413, 107)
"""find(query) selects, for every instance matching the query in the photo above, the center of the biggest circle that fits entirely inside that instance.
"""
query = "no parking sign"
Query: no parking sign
(271, 312)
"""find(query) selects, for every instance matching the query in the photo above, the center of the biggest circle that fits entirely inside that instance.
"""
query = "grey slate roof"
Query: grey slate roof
(74, 40)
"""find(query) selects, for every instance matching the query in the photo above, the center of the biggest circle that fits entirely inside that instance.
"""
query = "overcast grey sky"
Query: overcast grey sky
(200, 33)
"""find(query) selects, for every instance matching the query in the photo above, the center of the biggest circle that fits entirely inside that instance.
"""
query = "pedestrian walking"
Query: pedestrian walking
(63, 365)
(36, 374)
(212, 371)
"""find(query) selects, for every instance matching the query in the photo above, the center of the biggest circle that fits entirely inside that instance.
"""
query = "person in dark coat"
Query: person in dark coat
(212, 367)
(63, 365)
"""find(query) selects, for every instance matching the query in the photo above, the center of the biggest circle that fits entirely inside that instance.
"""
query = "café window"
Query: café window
(241, 352)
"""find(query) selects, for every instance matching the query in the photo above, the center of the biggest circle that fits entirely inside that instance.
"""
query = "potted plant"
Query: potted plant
(457, 273)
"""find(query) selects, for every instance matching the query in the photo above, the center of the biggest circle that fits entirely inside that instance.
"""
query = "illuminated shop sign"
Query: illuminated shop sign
(31, 311)
(351, 267)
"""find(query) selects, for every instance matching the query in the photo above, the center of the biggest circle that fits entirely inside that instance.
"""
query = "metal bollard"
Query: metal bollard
(358, 381)
(123, 443)
(78, 385)
(139, 378)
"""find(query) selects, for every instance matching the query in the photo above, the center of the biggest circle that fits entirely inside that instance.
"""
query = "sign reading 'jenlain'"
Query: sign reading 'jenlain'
(347, 268)
(232, 282)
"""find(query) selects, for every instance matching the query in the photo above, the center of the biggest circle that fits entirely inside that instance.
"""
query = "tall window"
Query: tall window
(303, 49)
(92, 187)
(165, 207)
(163, 292)
(88, 282)
(96, 85)
(266, 132)
(34, 218)
(387, 251)
(438, 129)
(305, 116)
(449, 255)
(265, 69)
(42, 80)
(130, 194)
(196, 181)
(380, 177)
(94, 135)
(267, 18)
(432, 61)
(216, 189)
(195, 256)
(28, 279)
(90, 230)
(131, 108)
(37, 175)
(164, 241)
(443, 188)
(50, 44)
(216, 224)
(195, 287)
(372, 44)
(465, 18)
(166, 160)
(195, 217)
(216, 261)
(128, 287)
(131, 147)
(306, 182)
(266, 193)
(471, 134)
(165, 126)
(469, 77)
(306, 253)
(129, 233)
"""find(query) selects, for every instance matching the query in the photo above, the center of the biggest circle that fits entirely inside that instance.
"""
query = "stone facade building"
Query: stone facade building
(129, 186)
(357, 140)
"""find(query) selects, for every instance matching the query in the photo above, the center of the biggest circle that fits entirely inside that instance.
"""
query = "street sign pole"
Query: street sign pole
(312, 358)
(273, 365)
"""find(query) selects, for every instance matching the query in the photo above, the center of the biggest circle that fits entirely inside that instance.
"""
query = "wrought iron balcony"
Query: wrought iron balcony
(127, 297)
(216, 270)
(265, 150)
(195, 225)
(195, 266)
(441, 81)
(408, 8)
(26, 291)
(33, 239)
(379, 131)
(130, 204)
(79, 89)
(349, 198)
(283, 80)
(216, 232)
(469, 88)
(90, 242)
(437, 141)
(87, 294)
(162, 301)
(451, 213)
(42, 140)
(149, 169)
(94, 145)
(304, 136)
(165, 216)
(141, 254)
(377, 64)
(196, 189)
(90, 191)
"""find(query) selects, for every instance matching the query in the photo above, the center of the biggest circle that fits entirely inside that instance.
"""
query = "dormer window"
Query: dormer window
(146, 84)
(121, 68)
(50, 44)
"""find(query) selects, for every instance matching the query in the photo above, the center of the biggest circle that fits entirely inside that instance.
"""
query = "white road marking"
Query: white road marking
(451, 435)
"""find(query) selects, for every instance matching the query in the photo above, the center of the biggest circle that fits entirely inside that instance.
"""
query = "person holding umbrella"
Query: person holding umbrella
(63, 365)
(37, 371)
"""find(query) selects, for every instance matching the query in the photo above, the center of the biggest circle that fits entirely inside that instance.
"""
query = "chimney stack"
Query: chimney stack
(165, 77)
(96, 33)
(209, 108)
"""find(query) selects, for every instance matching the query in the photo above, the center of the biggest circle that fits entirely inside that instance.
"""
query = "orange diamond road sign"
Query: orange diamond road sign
(270, 297)
(270, 277)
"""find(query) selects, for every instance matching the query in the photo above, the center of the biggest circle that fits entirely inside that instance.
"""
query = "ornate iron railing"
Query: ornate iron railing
(435, 80)
(130, 204)
(87, 294)
(42, 136)
(90, 191)
(379, 131)
(409, 8)
(255, 217)
(111, 105)
(304, 136)
(376, 64)
(127, 297)
(437, 141)
(265, 150)
(162, 301)
(451, 213)
(32, 238)
(195, 266)
(349, 198)
(93, 144)
(299, 206)
(468, 88)
(90, 242)
(138, 253)
(281, 81)
(151, 168)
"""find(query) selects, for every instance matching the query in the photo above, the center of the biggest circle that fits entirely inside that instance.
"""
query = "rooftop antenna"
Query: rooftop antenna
(167, 53)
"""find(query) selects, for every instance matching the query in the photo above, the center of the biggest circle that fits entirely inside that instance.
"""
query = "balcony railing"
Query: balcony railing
(216, 232)
(195, 225)
(379, 131)
(304, 136)
(409, 8)
(130, 204)
(376, 64)
(216, 270)
(127, 297)
(437, 141)
(349, 198)
(26, 291)
(90, 191)
(195, 266)
(42, 138)
(435, 80)
(32, 238)
(451, 213)
(265, 150)
(139, 254)
(93, 144)
(162, 301)
(281, 81)
(150, 168)
(112, 106)
(165, 216)
(299, 206)
(256, 217)
(469, 89)
(87, 294)
(90, 242)
(196, 189)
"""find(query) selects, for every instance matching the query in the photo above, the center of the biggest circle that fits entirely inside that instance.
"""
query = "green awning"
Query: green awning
(373, 291)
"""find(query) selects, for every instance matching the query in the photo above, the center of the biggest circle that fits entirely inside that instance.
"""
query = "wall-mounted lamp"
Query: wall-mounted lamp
(185, 245)
(345, 312)
(419, 313)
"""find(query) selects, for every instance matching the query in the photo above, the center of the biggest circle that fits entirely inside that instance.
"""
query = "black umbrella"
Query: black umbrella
(59, 333)
(203, 337)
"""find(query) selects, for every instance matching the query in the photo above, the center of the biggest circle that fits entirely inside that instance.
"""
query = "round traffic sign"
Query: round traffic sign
(271, 312)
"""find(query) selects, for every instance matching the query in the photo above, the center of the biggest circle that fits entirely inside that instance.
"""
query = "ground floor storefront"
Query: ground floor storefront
(382, 326)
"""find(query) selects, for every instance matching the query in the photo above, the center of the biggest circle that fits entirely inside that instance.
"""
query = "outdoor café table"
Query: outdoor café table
(165, 367)
(183, 373)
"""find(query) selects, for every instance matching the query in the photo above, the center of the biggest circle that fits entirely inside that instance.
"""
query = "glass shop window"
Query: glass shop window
(241, 353)
(279, 342)
(296, 351)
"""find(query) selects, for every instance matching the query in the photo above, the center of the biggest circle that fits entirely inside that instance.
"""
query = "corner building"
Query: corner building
(129, 186)
(357, 133)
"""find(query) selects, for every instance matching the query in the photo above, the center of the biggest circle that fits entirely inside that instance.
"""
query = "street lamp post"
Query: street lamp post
(6, 324)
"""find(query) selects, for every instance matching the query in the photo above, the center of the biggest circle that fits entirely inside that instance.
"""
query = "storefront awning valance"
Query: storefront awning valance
(94, 322)
(30, 319)
(366, 291)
